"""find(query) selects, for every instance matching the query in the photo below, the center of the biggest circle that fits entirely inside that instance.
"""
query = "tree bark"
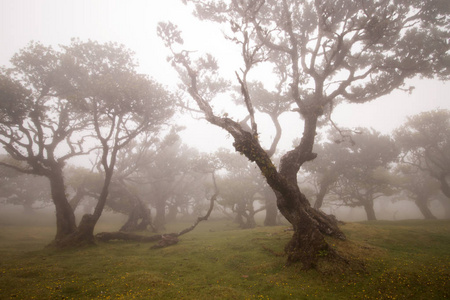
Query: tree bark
(370, 212)
(422, 204)
(271, 214)
(310, 225)
(240, 214)
(271, 208)
(65, 217)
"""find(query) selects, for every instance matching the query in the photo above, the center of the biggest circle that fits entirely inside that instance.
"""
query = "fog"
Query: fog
(54, 22)
(184, 188)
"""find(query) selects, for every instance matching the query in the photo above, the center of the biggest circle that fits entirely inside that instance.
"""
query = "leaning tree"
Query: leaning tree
(333, 51)
(425, 143)
(417, 186)
(57, 103)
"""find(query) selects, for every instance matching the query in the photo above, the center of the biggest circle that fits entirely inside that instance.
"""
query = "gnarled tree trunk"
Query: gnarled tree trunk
(65, 217)
(310, 225)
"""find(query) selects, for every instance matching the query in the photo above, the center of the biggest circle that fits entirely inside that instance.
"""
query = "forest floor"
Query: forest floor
(402, 260)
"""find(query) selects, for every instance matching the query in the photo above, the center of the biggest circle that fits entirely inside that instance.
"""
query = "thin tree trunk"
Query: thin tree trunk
(370, 212)
(320, 196)
(271, 213)
(240, 214)
(75, 201)
(308, 223)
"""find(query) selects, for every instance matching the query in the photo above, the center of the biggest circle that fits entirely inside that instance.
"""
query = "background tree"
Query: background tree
(37, 119)
(366, 175)
(332, 159)
(125, 196)
(240, 187)
(418, 186)
(124, 105)
(81, 184)
(425, 143)
(334, 50)
(53, 102)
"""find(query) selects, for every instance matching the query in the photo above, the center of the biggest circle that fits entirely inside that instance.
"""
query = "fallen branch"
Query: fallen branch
(211, 206)
(164, 240)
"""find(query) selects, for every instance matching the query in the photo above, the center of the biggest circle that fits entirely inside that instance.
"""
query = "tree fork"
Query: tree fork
(309, 224)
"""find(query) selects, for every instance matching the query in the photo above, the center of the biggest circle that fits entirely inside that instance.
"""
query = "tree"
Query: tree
(54, 102)
(425, 143)
(332, 51)
(168, 178)
(418, 186)
(37, 119)
(325, 170)
(358, 170)
(240, 186)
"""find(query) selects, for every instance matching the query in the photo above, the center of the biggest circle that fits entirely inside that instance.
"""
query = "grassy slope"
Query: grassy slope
(404, 260)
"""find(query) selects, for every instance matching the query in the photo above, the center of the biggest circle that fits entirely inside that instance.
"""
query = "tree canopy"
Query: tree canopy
(425, 143)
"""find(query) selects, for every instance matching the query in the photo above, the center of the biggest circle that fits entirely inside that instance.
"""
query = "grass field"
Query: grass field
(403, 260)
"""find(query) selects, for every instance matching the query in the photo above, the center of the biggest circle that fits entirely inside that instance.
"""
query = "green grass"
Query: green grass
(403, 260)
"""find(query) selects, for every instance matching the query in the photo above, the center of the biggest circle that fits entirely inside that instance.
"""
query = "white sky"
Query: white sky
(133, 23)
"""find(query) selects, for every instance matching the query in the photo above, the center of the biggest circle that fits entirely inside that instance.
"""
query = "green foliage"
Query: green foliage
(403, 260)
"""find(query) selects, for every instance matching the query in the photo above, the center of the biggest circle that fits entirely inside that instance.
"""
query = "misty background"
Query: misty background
(133, 24)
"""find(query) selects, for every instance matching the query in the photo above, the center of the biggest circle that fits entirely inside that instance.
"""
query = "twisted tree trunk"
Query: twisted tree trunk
(310, 225)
